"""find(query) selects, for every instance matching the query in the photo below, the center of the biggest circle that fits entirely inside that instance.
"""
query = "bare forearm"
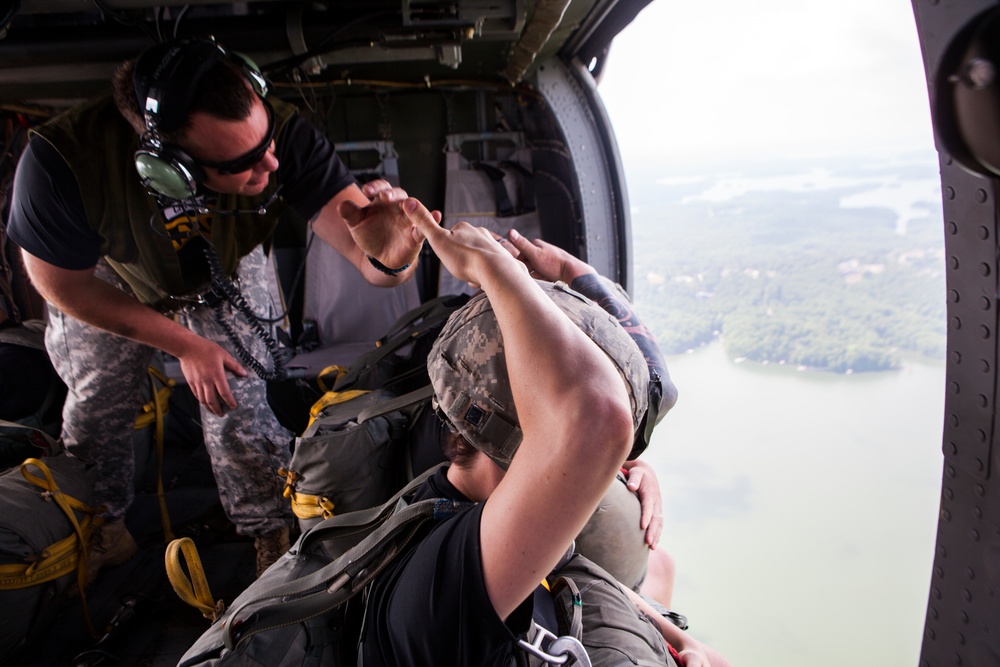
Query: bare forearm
(89, 299)
(554, 368)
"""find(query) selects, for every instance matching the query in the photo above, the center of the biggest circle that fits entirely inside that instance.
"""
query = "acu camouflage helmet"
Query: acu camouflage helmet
(468, 369)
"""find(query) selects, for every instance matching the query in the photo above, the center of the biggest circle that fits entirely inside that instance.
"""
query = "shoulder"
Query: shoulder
(437, 590)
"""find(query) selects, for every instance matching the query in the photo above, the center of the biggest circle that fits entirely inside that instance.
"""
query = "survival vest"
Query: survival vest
(127, 217)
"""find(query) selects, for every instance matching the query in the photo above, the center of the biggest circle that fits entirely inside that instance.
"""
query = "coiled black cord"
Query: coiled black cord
(225, 288)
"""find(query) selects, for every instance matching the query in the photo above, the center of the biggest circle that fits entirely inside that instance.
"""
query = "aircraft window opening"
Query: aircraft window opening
(705, 181)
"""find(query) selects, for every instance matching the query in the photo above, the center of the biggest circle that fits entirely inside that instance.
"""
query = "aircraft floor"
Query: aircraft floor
(140, 619)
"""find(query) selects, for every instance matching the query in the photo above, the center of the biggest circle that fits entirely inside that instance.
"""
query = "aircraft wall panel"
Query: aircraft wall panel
(604, 225)
(963, 613)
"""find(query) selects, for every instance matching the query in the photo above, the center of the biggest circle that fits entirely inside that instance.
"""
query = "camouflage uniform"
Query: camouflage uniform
(468, 369)
(104, 373)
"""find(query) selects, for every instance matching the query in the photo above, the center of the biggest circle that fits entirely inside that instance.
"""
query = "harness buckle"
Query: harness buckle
(563, 650)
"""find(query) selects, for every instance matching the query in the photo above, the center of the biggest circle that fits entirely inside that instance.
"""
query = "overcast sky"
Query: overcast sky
(731, 78)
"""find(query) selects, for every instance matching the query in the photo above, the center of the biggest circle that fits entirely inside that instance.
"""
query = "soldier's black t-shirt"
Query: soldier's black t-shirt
(47, 216)
(430, 607)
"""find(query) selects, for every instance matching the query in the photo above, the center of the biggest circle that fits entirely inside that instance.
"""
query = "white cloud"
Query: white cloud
(729, 77)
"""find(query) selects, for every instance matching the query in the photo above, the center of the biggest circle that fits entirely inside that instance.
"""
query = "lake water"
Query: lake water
(801, 509)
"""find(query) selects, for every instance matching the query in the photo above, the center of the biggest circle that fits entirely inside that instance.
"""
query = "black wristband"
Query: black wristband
(385, 269)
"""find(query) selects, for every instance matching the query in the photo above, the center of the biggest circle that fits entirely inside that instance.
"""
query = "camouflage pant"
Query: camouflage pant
(104, 373)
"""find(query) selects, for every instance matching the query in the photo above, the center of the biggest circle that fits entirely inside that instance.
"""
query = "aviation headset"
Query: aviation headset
(166, 80)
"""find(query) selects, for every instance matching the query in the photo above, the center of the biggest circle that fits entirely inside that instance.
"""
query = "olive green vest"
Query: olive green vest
(98, 144)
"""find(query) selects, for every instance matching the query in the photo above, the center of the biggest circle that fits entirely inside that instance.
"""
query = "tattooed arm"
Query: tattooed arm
(549, 262)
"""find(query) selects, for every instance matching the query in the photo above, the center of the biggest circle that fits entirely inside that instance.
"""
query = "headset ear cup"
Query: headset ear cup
(254, 76)
(170, 172)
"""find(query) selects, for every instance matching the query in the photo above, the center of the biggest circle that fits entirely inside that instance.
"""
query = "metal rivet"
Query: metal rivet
(956, 357)
(939, 572)
(984, 366)
(981, 196)
(980, 466)
(967, 595)
(984, 331)
(980, 490)
(950, 471)
(974, 536)
(985, 303)
(977, 512)
(949, 494)
(955, 388)
(965, 617)
(953, 262)
(936, 592)
(958, 659)
(956, 323)
(949, 192)
(945, 515)
(981, 435)
(970, 573)
(984, 233)
(961, 639)
(953, 296)
(954, 421)
(983, 401)
(984, 269)
(952, 448)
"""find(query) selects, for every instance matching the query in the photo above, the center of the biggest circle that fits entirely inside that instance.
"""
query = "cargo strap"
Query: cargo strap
(193, 591)
(307, 506)
(386, 530)
(154, 412)
(304, 505)
(331, 398)
(336, 371)
(63, 556)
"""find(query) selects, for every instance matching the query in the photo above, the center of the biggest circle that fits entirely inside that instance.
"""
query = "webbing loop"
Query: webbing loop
(305, 506)
(194, 590)
(337, 372)
(61, 557)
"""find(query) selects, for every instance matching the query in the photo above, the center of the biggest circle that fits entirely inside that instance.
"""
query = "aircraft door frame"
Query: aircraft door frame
(963, 613)
(576, 105)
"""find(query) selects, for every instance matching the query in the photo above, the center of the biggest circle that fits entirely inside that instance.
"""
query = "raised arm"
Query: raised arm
(550, 262)
(573, 409)
(366, 221)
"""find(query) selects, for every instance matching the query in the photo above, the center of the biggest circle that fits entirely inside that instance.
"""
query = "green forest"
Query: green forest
(790, 278)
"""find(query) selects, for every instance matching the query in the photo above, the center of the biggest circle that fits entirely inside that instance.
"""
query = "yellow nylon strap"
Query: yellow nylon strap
(51, 492)
(337, 371)
(305, 506)
(161, 396)
(332, 398)
(61, 557)
(153, 413)
(193, 591)
(53, 562)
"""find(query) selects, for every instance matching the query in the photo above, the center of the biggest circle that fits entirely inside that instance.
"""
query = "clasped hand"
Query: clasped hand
(381, 229)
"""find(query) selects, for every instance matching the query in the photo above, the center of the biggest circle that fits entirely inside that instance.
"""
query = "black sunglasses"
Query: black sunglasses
(246, 161)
